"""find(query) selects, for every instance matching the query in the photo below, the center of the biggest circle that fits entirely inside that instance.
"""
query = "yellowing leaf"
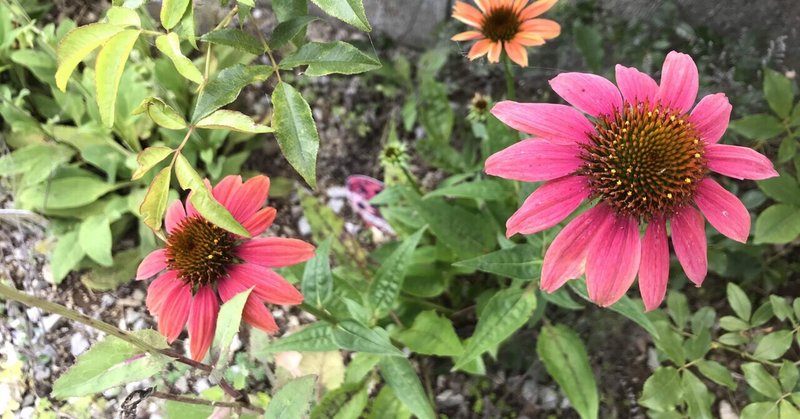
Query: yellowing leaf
(172, 12)
(123, 16)
(108, 71)
(77, 44)
(154, 204)
(232, 120)
(148, 158)
(170, 45)
(161, 113)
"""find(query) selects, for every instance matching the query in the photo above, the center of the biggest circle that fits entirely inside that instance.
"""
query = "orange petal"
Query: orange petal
(536, 8)
(467, 36)
(528, 39)
(494, 52)
(518, 5)
(517, 53)
(483, 5)
(545, 28)
(467, 14)
(479, 49)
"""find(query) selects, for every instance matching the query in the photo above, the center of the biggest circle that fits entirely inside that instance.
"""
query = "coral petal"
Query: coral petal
(546, 28)
(548, 205)
(739, 162)
(479, 49)
(613, 261)
(202, 321)
(654, 266)
(269, 286)
(591, 94)
(152, 264)
(174, 315)
(689, 241)
(249, 198)
(260, 221)
(467, 36)
(554, 122)
(275, 252)
(517, 53)
(536, 8)
(534, 160)
(226, 189)
(175, 216)
(679, 82)
(254, 311)
(723, 210)
(711, 117)
(159, 290)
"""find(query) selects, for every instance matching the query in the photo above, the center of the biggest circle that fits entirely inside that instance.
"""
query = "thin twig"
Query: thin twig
(204, 402)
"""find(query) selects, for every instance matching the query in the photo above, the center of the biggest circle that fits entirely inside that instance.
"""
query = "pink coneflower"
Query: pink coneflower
(202, 263)
(510, 25)
(645, 159)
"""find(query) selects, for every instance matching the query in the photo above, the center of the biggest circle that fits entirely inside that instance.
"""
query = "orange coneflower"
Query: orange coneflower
(505, 24)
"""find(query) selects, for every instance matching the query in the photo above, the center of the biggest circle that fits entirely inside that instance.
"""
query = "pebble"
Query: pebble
(49, 321)
(78, 344)
(449, 398)
(549, 398)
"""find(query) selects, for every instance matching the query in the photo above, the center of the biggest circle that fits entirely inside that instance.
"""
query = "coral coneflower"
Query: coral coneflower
(202, 263)
(644, 155)
(509, 25)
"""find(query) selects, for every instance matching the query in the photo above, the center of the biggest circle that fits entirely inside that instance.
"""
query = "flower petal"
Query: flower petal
(202, 321)
(269, 286)
(723, 210)
(517, 53)
(260, 221)
(654, 266)
(275, 252)
(534, 160)
(467, 36)
(467, 14)
(152, 264)
(494, 52)
(739, 162)
(565, 258)
(689, 241)
(226, 189)
(159, 290)
(548, 205)
(173, 316)
(679, 82)
(249, 198)
(554, 122)
(546, 28)
(479, 49)
(591, 94)
(254, 311)
(635, 86)
(175, 216)
(613, 261)
(536, 8)
(711, 117)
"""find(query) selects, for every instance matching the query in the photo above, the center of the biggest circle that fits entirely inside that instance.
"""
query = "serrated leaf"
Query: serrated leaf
(662, 390)
(348, 11)
(762, 381)
(757, 126)
(778, 92)
(228, 321)
(565, 358)
(170, 45)
(154, 204)
(431, 334)
(287, 30)
(161, 113)
(67, 192)
(739, 302)
(225, 87)
(148, 158)
(232, 120)
(77, 44)
(354, 336)
(398, 374)
(504, 313)
(317, 279)
(94, 237)
(773, 345)
(235, 38)
(388, 280)
(778, 224)
(296, 131)
(292, 400)
(172, 11)
(108, 71)
(716, 372)
(331, 57)
(520, 262)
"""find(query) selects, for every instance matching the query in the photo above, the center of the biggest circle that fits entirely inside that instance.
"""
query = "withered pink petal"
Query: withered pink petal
(275, 252)
(202, 321)
(613, 261)
(534, 160)
(723, 210)
(560, 123)
(269, 286)
(152, 264)
(175, 312)
(689, 241)
(589, 93)
(739, 162)
(679, 82)
(175, 215)
(711, 116)
(654, 266)
(548, 205)
(260, 221)
(635, 86)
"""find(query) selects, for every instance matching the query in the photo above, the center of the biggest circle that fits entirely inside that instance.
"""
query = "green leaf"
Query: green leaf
(123, 16)
(66, 255)
(77, 44)
(36, 162)
(108, 71)
(486, 189)
(760, 410)
(235, 38)
(148, 158)
(398, 374)
(109, 363)
(292, 400)
(154, 204)
(388, 280)
(787, 410)
(716, 372)
(788, 375)
(565, 358)
(161, 113)
(348, 11)
(431, 335)
(678, 308)
(781, 307)
(317, 278)
(739, 302)
(228, 321)
(354, 336)
(296, 131)
(698, 398)
(387, 406)
(287, 30)
(95, 238)
(232, 120)
(172, 11)
(225, 87)
(783, 188)
(346, 402)
(779, 224)
(632, 309)
(316, 337)
(465, 232)
(120, 272)
(504, 313)
(186, 28)
(762, 314)
(67, 192)
(761, 380)
(757, 126)
(520, 262)
(773, 345)
(170, 45)
(331, 57)
(589, 41)
(778, 92)
(662, 390)
(733, 324)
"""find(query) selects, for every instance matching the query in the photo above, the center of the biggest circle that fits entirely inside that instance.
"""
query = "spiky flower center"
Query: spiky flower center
(200, 251)
(501, 24)
(644, 160)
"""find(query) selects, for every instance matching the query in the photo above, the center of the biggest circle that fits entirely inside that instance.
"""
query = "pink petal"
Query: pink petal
(226, 188)
(565, 258)
(548, 205)
(260, 221)
(555, 122)
(275, 252)
(591, 94)
(254, 311)
(534, 160)
(636, 87)
(689, 241)
(249, 198)
(654, 267)
(152, 264)
(175, 216)
(613, 260)
(679, 82)
(723, 210)
(160, 289)
(202, 321)
(173, 316)
(269, 286)
(739, 162)
(711, 117)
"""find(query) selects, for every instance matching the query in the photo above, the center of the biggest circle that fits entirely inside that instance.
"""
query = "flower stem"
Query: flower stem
(204, 402)
(509, 71)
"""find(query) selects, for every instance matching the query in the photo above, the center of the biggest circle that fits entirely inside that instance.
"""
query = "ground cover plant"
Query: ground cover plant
(265, 209)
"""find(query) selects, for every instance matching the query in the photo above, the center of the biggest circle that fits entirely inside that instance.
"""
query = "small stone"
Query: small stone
(49, 321)
(303, 226)
(549, 398)
(337, 192)
(33, 314)
(107, 300)
(336, 205)
(78, 344)
(530, 391)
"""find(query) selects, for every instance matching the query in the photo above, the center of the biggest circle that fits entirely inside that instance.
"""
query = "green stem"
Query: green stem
(509, 71)
(411, 179)
(322, 315)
